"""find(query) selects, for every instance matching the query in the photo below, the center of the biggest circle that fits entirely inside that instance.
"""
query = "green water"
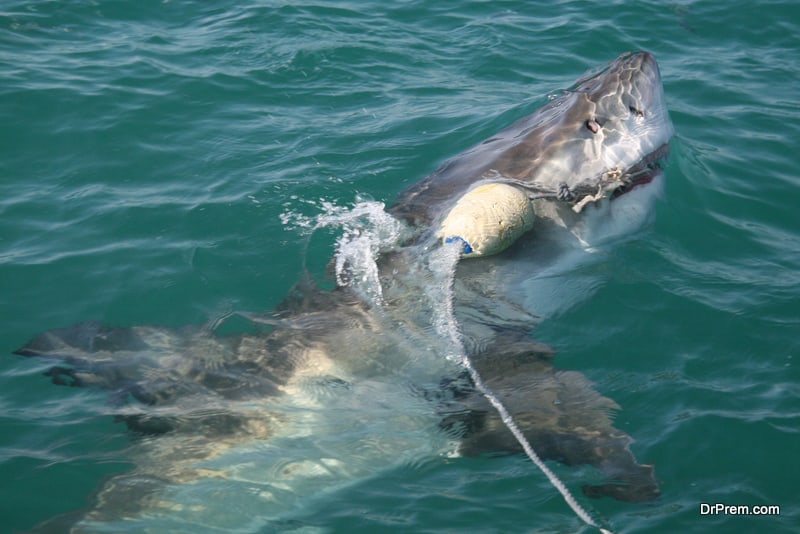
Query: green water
(147, 150)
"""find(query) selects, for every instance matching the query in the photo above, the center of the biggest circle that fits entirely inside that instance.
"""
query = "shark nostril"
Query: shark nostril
(593, 126)
(636, 111)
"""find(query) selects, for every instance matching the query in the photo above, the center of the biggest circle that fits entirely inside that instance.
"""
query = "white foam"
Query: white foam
(367, 231)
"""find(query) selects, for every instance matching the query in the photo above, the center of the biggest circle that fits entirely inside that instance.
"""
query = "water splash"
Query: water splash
(368, 231)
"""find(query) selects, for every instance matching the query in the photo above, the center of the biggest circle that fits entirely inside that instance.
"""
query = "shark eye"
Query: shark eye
(635, 111)
(593, 125)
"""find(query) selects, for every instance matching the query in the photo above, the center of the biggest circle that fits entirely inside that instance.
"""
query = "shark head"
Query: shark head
(608, 129)
(627, 98)
(588, 160)
(598, 139)
(610, 140)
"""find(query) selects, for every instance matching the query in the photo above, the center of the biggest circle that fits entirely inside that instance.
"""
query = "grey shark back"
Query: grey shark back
(334, 387)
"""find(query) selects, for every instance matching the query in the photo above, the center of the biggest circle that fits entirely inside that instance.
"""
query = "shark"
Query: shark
(251, 428)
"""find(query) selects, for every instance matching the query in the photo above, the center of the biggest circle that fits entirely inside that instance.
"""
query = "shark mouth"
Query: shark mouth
(644, 172)
(615, 183)
(640, 177)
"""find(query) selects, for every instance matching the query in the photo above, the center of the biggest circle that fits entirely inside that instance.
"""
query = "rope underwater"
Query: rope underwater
(453, 253)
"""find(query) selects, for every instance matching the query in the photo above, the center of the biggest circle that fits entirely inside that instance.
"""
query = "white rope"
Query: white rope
(526, 446)
(453, 333)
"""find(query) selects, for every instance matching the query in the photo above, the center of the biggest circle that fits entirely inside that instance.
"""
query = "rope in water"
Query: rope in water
(453, 333)
(526, 446)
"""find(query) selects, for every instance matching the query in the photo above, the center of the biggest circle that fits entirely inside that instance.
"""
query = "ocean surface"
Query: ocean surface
(150, 151)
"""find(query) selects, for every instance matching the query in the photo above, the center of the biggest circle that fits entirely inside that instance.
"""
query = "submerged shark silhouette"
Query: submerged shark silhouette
(241, 431)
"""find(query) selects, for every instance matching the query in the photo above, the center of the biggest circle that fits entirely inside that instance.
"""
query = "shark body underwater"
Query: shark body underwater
(242, 432)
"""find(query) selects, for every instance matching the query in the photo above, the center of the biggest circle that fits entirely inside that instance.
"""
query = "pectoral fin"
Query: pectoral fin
(560, 414)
